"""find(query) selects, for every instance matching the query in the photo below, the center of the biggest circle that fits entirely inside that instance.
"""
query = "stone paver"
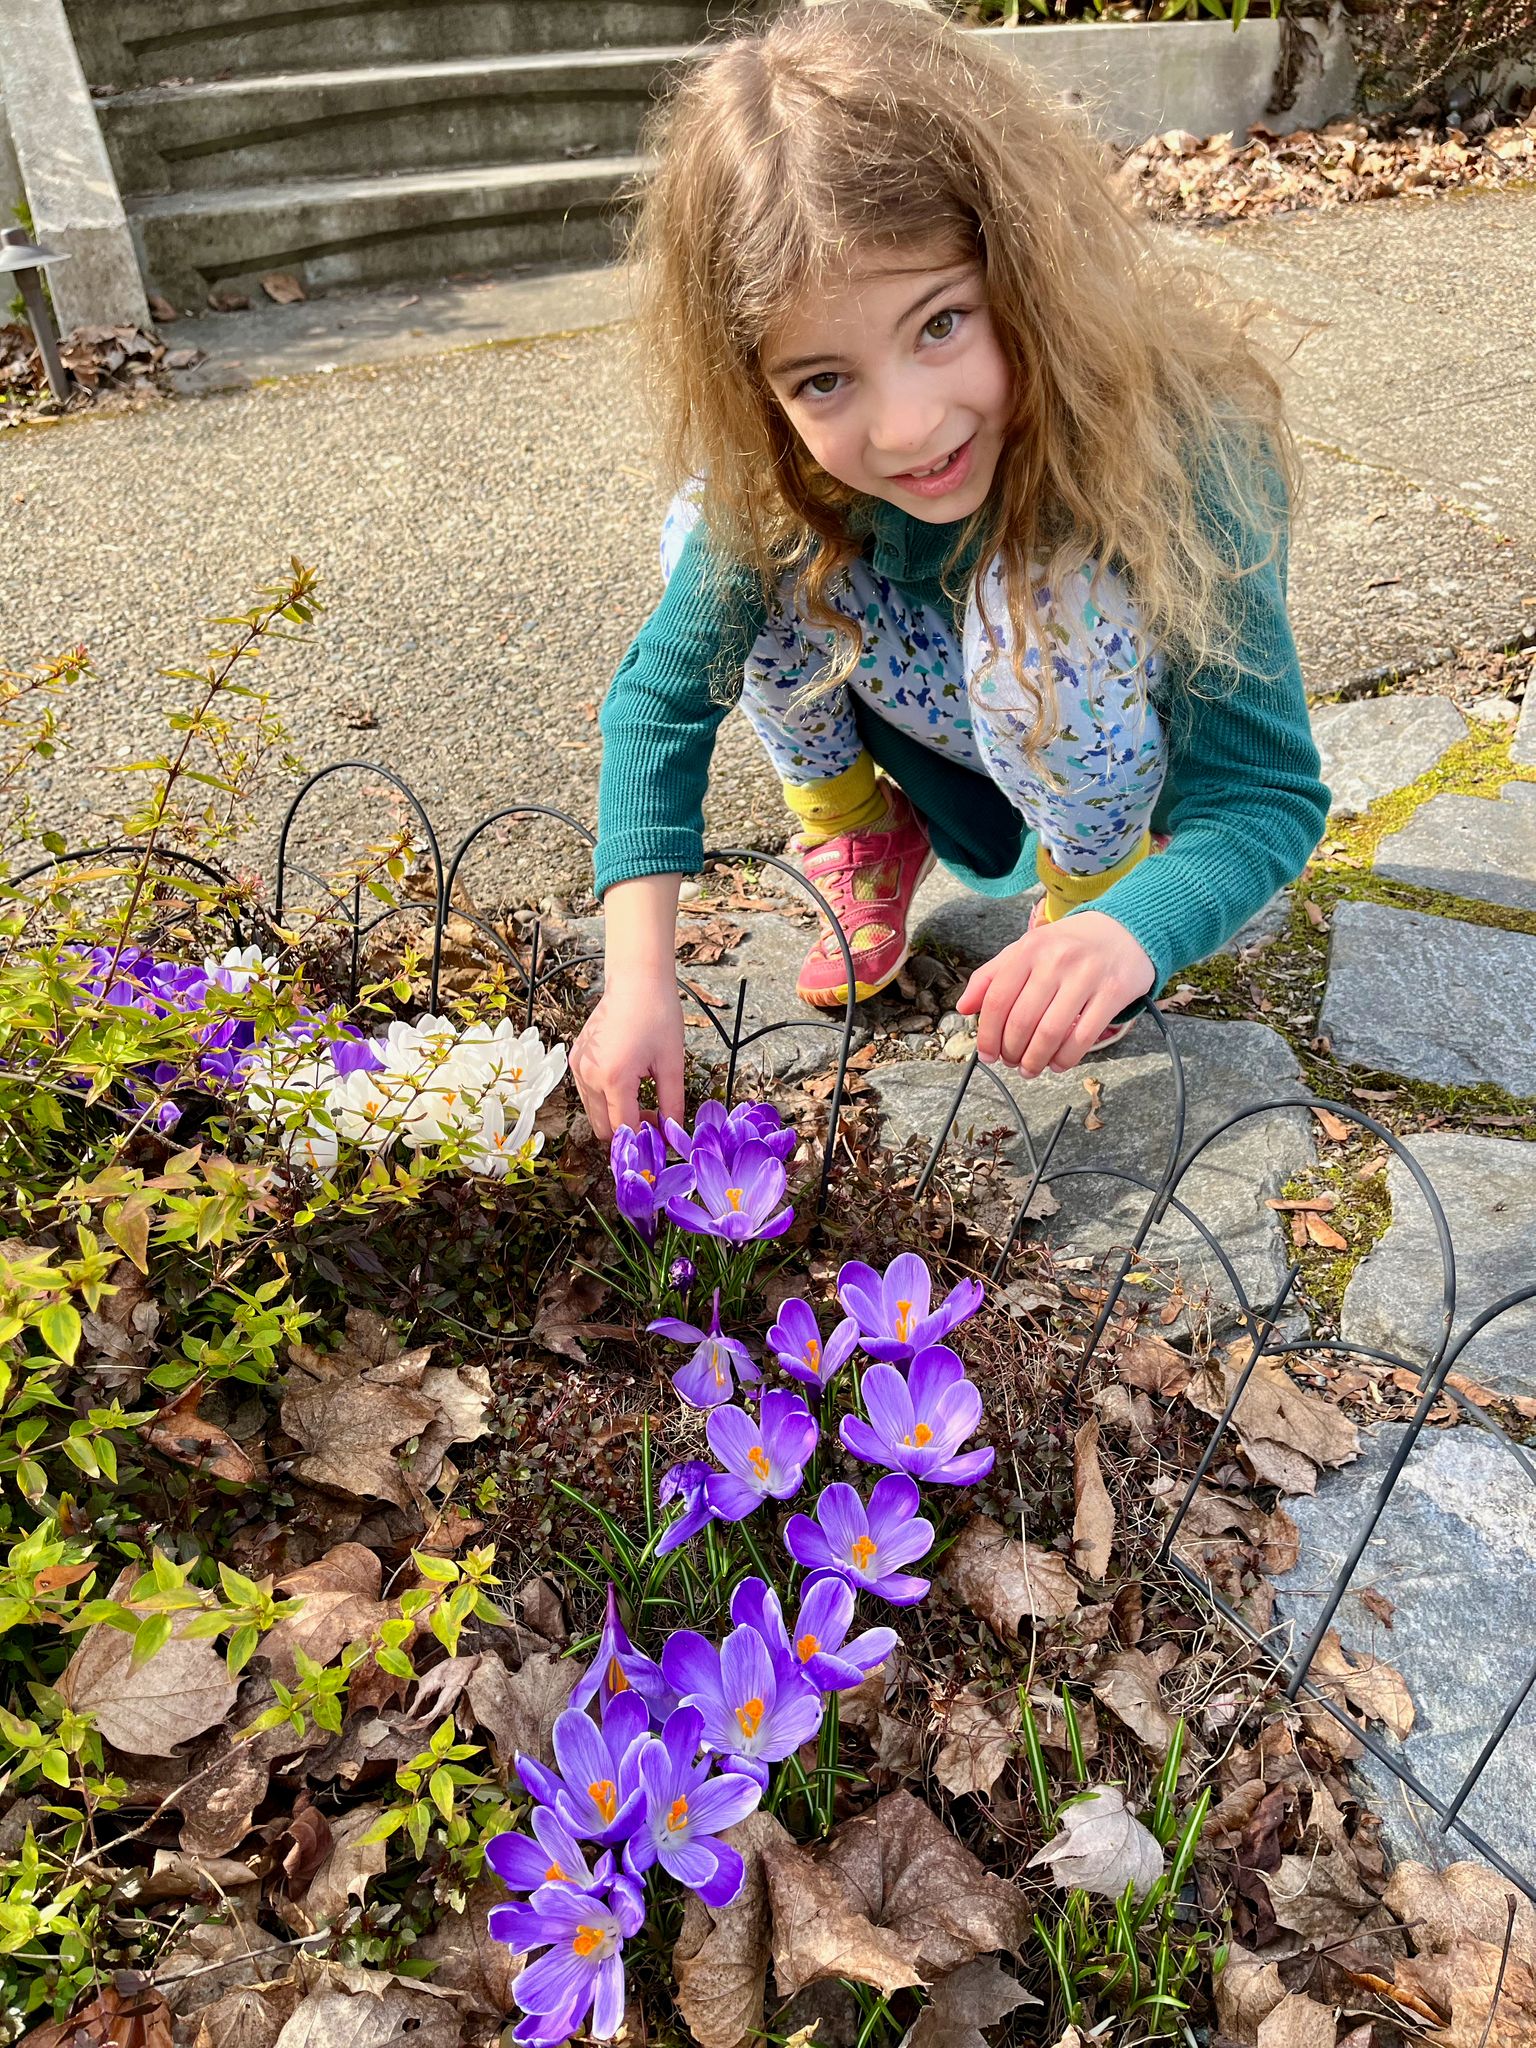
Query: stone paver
(1523, 748)
(1469, 846)
(1395, 1300)
(1455, 1552)
(1227, 1067)
(1371, 748)
(1431, 998)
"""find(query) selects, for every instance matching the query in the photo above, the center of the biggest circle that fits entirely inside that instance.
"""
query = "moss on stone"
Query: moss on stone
(1362, 1212)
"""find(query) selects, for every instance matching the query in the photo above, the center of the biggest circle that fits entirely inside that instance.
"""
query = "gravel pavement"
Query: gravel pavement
(484, 523)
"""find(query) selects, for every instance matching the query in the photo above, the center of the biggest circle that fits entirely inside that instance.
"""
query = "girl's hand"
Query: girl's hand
(1044, 1000)
(635, 1032)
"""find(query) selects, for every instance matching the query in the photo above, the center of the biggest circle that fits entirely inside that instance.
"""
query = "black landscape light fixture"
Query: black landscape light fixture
(22, 257)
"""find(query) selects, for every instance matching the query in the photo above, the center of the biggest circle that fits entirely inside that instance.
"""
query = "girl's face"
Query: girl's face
(896, 383)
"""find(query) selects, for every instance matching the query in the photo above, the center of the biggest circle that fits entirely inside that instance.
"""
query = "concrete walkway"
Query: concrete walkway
(484, 517)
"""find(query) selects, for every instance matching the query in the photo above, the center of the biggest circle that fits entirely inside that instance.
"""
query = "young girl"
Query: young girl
(981, 518)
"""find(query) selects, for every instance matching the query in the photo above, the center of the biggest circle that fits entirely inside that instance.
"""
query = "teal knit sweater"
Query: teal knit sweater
(1242, 802)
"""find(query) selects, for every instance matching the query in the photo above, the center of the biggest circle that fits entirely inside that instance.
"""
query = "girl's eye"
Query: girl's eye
(822, 385)
(943, 325)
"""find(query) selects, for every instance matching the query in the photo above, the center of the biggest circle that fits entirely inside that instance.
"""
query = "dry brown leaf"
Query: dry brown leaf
(721, 1958)
(1320, 1896)
(1378, 1604)
(1376, 1689)
(975, 1996)
(1152, 1364)
(819, 1932)
(1465, 1979)
(978, 1741)
(1469, 1900)
(340, 1592)
(1101, 1847)
(542, 1608)
(348, 2007)
(1127, 1684)
(1247, 1992)
(350, 1414)
(251, 2016)
(1334, 1127)
(1285, 1432)
(894, 1899)
(1001, 1580)
(563, 1313)
(182, 1691)
(118, 1335)
(1324, 1234)
(1093, 1520)
(1094, 1120)
(180, 1433)
(127, 2013)
(348, 1864)
(1298, 2022)
(518, 1709)
(282, 288)
(477, 1969)
(462, 1394)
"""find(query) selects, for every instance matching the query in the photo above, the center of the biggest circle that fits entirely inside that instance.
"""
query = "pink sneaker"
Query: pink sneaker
(869, 878)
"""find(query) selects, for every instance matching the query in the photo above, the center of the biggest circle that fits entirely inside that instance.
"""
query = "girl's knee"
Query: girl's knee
(1088, 625)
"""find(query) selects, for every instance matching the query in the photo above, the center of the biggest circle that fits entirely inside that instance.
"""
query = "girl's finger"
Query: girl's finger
(671, 1098)
(1024, 1018)
(1084, 1035)
(1052, 1028)
(1009, 976)
(971, 996)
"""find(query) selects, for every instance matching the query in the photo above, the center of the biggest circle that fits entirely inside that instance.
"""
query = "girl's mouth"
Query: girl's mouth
(937, 482)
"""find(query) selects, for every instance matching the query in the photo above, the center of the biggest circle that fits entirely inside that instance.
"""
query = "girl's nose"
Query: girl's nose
(905, 423)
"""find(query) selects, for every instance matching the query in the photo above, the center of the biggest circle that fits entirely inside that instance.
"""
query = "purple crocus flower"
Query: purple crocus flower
(689, 1483)
(596, 1789)
(710, 1375)
(685, 1809)
(817, 1646)
(582, 1970)
(795, 1342)
(753, 1715)
(735, 1199)
(892, 1308)
(682, 1273)
(554, 1856)
(642, 1179)
(763, 1460)
(867, 1546)
(918, 1423)
(617, 1666)
(718, 1129)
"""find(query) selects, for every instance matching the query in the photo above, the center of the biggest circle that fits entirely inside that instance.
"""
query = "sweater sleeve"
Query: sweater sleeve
(661, 714)
(1244, 803)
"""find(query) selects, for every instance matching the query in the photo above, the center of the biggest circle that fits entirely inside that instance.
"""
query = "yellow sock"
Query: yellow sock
(1064, 892)
(854, 801)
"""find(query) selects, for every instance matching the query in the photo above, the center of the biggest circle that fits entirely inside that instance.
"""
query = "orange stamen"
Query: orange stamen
(617, 1682)
(807, 1647)
(733, 1196)
(757, 1458)
(587, 1939)
(920, 1436)
(555, 1875)
(605, 1797)
(677, 1819)
(863, 1552)
(903, 1318)
(749, 1716)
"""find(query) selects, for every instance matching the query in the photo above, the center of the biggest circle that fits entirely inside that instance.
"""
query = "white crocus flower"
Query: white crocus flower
(494, 1150)
(365, 1109)
(240, 966)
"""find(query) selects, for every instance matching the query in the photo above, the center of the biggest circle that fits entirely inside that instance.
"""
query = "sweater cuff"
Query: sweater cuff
(668, 850)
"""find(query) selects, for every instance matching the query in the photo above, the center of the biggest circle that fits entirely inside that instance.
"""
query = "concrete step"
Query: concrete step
(386, 229)
(412, 117)
(127, 43)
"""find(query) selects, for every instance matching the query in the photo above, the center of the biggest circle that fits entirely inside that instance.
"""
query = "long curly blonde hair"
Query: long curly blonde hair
(870, 126)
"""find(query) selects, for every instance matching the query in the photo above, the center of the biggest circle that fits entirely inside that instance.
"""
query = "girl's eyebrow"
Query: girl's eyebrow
(795, 366)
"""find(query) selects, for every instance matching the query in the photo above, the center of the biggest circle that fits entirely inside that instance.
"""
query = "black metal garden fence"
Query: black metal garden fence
(1259, 1321)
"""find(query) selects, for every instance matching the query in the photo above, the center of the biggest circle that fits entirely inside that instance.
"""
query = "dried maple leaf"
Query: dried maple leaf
(1093, 1521)
(721, 1957)
(1298, 2022)
(564, 1311)
(127, 2013)
(180, 1433)
(1373, 1687)
(341, 1605)
(1102, 1847)
(1285, 1432)
(1152, 1364)
(518, 1709)
(975, 1996)
(350, 1424)
(282, 288)
(342, 1875)
(978, 1741)
(1127, 1683)
(477, 1969)
(1247, 1992)
(149, 1709)
(1001, 1579)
